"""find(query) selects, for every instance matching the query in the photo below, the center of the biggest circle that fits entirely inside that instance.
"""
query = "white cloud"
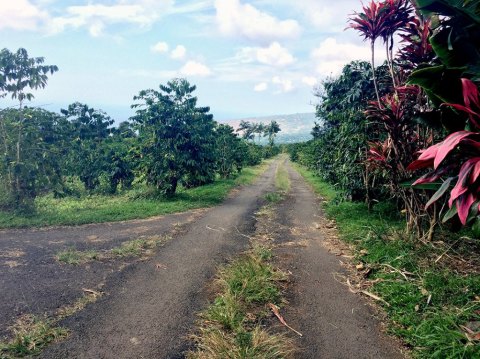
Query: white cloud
(283, 84)
(327, 16)
(95, 17)
(262, 86)
(310, 81)
(193, 68)
(274, 55)
(179, 52)
(322, 14)
(331, 56)
(160, 47)
(244, 20)
(20, 15)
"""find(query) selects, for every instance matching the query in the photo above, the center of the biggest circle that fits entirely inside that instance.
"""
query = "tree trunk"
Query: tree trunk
(390, 66)
(373, 73)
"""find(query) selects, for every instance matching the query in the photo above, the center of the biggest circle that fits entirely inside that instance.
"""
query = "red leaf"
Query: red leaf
(471, 98)
(463, 204)
(463, 179)
(470, 93)
(425, 159)
(448, 145)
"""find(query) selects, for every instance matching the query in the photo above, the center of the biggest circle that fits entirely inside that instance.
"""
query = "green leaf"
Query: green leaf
(441, 84)
(476, 228)
(452, 212)
(429, 186)
(441, 191)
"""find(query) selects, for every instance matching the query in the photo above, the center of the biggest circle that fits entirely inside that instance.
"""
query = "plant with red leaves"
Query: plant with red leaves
(371, 23)
(389, 158)
(459, 154)
(417, 48)
(382, 20)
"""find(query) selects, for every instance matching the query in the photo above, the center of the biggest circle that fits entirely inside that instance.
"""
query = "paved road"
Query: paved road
(335, 322)
(150, 311)
(150, 306)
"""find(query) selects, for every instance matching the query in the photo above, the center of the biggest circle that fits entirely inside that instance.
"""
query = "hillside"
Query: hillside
(295, 127)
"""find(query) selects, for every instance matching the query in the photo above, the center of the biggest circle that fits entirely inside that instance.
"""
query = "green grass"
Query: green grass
(320, 187)
(134, 248)
(273, 197)
(430, 302)
(282, 180)
(74, 257)
(230, 327)
(30, 336)
(134, 204)
(282, 184)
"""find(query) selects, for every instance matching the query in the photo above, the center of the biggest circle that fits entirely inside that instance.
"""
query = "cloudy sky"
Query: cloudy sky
(247, 57)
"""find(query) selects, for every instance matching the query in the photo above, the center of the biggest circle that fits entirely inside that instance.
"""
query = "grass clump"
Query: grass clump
(273, 197)
(74, 257)
(134, 248)
(252, 279)
(282, 179)
(230, 327)
(257, 344)
(30, 336)
(89, 297)
(433, 303)
(137, 203)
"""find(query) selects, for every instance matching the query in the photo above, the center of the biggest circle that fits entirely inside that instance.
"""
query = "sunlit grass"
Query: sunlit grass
(31, 334)
(230, 327)
(282, 179)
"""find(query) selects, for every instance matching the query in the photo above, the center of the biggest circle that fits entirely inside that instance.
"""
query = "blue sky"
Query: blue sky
(247, 57)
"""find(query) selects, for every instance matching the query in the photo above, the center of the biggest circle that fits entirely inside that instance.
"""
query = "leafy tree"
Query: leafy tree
(271, 131)
(247, 129)
(89, 130)
(20, 74)
(259, 129)
(230, 151)
(41, 144)
(177, 137)
(316, 131)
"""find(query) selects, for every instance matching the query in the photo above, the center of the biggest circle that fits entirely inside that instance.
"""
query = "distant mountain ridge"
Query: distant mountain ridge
(295, 127)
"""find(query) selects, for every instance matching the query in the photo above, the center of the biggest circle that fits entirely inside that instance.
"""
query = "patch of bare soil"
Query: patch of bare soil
(33, 282)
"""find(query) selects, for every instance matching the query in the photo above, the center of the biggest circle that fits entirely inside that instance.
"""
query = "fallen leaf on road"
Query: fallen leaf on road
(159, 266)
(275, 311)
(134, 341)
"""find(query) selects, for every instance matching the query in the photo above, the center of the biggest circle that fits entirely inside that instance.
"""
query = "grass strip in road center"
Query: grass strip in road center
(231, 326)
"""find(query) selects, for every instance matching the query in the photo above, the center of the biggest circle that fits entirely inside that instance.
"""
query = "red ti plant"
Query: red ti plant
(391, 157)
(459, 155)
(382, 19)
(371, 23)
(417, 48)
